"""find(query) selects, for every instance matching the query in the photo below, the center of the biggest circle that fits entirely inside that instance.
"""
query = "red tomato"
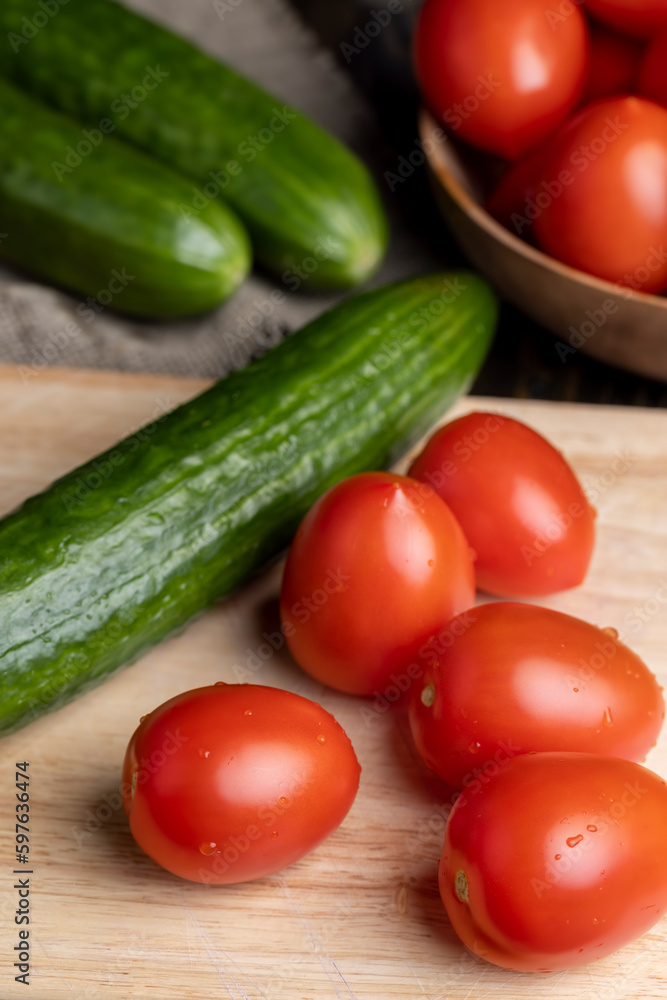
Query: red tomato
(653, 71)
(637, 17)
(377, 565)
(518, 501)
(513, 202)
(607, 213)
(520, 678)
(236, 781)
(557, 860)
(614, 65)
(501, 75)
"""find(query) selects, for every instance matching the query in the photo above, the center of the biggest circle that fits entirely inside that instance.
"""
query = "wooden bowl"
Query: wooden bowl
(618, 326)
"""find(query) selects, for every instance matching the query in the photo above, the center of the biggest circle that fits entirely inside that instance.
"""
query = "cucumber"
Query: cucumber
(111, 226)
(309, 204)
(126, 549)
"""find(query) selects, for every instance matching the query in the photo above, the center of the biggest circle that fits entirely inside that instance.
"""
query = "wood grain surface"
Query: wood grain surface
(361, 916)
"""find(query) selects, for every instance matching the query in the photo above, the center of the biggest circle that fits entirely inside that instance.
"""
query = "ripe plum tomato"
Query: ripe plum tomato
(653, 70)
(233, 782)
(520, 678)
(500, 75)
(378, 564)
(636, 17)
(607, 209)
(614, 64)
(558, 860)
(513, 201)
(518, 501)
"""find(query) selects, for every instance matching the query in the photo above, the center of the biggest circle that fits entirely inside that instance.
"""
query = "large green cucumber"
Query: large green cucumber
(110, 227)
(308, 202)
(122, 551)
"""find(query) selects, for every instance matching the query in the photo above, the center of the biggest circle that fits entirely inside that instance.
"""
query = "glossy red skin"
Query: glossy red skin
(653, 71)
(263, 774)
(609, 219)
(459, 41)
(510, 489)
(614, 64)
(520, 678)
(399, 568)
(615, 61)
(512, 202)
(636, 17)
(535, 902)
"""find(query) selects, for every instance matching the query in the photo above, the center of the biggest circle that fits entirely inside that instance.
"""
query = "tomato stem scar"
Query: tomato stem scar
(461, 886)
(428, 695)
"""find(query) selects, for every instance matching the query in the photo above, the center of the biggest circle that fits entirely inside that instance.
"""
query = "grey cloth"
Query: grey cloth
(265, 40)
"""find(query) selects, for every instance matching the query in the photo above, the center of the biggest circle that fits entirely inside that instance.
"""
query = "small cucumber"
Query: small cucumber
(92, 576)
(306, 200)
(111, 225)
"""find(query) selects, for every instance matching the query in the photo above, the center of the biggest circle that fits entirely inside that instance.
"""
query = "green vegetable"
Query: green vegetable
(125, 550)
(111, 227)
(309, 204)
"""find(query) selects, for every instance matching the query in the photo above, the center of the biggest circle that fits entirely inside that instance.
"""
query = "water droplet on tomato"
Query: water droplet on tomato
(431, 562)
(321, 738)
(142, 718)
(208, 848)
(204, 753)
(428, 695)
(595, 920)
(575, 689)
(219, 684)
(557, 857)
(592, 829)
(609, 630)
(607, 719)
(573, 841)
(274, 835)
(282, 799)
(248, 711)
(474, 747)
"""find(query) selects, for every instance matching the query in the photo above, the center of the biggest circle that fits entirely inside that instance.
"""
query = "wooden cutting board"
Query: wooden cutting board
(361, 916)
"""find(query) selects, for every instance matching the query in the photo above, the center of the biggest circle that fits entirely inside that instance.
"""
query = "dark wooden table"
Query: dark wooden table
(523, 361)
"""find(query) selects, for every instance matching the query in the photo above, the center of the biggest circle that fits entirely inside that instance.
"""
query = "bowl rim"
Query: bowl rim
(434, 150)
